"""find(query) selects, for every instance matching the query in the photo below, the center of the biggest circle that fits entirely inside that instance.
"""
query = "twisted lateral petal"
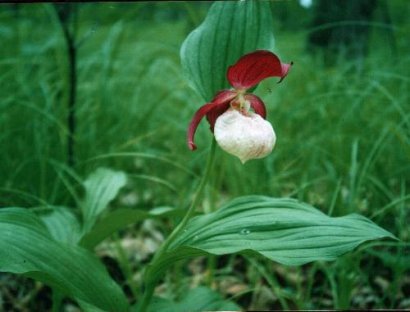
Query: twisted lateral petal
(219, 104)
(215, 113)
(252, 68)
(200, 113)
(257, 104)
(221, 99)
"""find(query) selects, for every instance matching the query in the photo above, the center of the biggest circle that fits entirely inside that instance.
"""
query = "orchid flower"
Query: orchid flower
(239, 130)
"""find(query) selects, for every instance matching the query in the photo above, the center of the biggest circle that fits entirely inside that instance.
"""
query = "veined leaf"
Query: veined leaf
(26, 247)
(61, 222)
(283, 230)
(230, 30)
(101, 187)
(119, 219)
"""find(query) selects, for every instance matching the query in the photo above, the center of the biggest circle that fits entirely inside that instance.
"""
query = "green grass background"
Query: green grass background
(343, 130)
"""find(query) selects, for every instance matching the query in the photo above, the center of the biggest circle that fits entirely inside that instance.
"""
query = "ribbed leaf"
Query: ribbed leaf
(119, 219)
(61, 223)
(283, 230)
(101, 187)
(230, 30)
(26, 247)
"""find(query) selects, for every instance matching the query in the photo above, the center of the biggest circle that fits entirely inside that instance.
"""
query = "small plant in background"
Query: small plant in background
(231, 48)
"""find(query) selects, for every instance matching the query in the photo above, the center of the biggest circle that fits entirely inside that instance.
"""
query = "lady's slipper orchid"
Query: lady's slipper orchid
(238, 130)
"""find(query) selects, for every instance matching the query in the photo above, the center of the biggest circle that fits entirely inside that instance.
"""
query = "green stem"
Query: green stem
(211, 265)
(194, 203)
(146, 298)
(180, 227)
(57, 298)
(272, 281)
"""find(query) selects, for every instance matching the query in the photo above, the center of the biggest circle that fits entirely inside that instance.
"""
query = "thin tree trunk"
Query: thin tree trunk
(341, 27)
(66, 15)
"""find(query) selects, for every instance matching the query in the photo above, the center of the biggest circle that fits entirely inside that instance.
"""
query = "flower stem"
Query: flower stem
(195, 201)
(149, 291)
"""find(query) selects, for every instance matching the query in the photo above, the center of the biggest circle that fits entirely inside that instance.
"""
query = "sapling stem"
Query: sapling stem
(149, 291)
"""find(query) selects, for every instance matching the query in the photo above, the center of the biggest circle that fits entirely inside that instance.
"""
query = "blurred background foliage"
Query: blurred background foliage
(341, 117)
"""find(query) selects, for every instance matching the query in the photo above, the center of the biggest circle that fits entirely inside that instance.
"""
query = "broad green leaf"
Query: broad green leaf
(26, 247)
(86, 307)
(196, 300)
(230, 30)
(101, 187)
(61, 222)
(119, 219)
(283, 230)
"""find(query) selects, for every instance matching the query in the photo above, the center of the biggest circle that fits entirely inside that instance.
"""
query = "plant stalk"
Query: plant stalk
(180, 227)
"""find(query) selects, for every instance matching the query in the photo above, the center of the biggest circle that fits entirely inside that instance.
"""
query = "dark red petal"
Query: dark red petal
(257, 104)
(252, 68)
(285, 70)
(200, 113)
(221, 99)
(219, 104)
(224, 96)
(215, 113)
